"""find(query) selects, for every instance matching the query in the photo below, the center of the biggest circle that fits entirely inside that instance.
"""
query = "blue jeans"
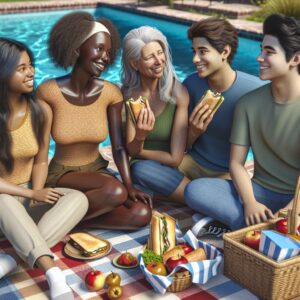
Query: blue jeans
(218, 198)
(152, 175)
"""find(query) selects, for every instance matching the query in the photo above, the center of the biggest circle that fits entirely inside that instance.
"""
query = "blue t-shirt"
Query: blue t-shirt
(212, 149)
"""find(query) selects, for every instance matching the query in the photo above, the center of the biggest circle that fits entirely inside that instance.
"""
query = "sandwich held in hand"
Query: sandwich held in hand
(87, 244)
(134, 107)
(213, 100)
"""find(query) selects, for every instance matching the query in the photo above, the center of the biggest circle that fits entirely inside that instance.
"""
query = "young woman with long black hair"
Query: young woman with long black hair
(32, 218)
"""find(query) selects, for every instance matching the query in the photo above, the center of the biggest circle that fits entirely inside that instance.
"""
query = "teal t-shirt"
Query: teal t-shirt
(212, 149)
(273, 132)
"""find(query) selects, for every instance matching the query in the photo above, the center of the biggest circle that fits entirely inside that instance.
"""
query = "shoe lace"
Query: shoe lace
(217, 231)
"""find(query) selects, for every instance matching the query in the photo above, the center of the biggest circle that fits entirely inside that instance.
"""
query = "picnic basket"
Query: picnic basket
(182, 280)
(260, 274)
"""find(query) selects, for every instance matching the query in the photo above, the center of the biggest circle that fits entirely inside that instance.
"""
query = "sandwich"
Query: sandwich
(87, 244)
(162, 233)
(213, 100)
(134, 107)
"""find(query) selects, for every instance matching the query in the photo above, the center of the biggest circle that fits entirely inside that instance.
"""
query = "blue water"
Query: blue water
(33, 29)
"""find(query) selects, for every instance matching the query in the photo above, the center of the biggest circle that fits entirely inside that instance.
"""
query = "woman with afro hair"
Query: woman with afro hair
(85, 108)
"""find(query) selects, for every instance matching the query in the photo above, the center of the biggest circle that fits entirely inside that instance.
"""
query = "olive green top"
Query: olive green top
(160, 136)
(273, 131)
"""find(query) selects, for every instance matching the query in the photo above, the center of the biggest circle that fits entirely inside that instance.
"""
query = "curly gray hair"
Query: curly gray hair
(133, 43)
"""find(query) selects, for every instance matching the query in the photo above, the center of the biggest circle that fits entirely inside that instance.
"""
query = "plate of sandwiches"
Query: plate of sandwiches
(86, 246)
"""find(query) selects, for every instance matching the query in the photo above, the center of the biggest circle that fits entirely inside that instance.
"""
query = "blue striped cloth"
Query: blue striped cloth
(201, 271)
(278, 246)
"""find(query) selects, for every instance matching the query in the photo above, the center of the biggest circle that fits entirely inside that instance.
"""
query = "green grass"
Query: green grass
(287, 7)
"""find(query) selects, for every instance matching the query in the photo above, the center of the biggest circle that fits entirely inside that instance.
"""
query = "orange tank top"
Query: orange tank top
(75, 125)
(24, 148)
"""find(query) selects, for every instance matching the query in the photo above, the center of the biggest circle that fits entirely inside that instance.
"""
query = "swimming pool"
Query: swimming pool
(33, 29)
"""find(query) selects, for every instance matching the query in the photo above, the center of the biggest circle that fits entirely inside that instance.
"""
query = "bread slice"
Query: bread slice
(213, 100)
(134, 107)
(88, 244)
(162, 233)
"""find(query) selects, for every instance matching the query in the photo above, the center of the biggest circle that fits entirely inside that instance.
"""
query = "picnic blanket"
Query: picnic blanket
(26, 283)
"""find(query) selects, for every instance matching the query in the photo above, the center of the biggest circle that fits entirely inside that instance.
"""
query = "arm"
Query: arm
(178, 136)
(254, 212)
(120, 154)
(40, 165)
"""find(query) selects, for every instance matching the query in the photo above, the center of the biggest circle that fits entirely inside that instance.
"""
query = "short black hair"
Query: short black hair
(68, 33)
(218, 32)
(287, 31)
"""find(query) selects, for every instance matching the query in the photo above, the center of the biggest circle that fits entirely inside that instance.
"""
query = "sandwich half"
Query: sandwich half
(214, 100)
(162, 233)
(134, 107)
(87, 244)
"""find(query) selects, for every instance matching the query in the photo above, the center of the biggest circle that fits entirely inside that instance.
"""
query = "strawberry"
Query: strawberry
(127, 259)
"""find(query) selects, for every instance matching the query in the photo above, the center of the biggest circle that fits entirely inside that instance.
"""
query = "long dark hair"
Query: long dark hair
(10, 52)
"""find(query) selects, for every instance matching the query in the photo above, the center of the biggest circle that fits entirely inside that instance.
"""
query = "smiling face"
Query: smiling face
(206, 58)
(152, 61)
(94, 54)
(272, 60)
(21, 81)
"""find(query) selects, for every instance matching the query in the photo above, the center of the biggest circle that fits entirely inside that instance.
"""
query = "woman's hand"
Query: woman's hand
(47, 195)
(256, 212)
(137, 195)
(145, 124)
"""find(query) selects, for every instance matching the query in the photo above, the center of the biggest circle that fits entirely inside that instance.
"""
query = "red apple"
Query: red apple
(94, 280)
(252, 239)
(157, 268)
(174, 261)
(187, 248)
(282, 226)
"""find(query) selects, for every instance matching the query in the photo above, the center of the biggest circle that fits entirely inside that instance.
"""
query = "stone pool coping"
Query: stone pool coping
(246, 28)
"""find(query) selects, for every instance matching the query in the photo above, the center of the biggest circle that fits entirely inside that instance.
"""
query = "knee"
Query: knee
(80, 201)
(140, 172)
(140, 214)
(116, 193)
(5, 202)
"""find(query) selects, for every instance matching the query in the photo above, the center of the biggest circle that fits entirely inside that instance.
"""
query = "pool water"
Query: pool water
(33, 29)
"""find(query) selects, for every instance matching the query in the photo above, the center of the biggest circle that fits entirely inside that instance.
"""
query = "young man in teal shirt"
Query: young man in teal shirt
(266, 119)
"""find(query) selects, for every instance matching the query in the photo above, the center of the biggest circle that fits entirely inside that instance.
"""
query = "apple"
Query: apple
(282, 226)
(187, 248)
(127, 259)
(94, 280)
(174, 261)
(114, 292)
(113, 279)
(252, 239)
(157, 268)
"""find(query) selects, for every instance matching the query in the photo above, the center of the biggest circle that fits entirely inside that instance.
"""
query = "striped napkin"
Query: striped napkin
(201, 271)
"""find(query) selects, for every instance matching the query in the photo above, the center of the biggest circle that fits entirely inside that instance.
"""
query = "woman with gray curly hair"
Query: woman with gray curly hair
(156, 141)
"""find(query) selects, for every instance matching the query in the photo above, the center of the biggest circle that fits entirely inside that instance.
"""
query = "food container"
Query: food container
(196, 272)
(262, 275)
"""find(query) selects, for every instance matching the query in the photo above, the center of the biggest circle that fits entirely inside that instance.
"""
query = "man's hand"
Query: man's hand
(256, 212)
(199, 119)
(145, 124)
(47, 195)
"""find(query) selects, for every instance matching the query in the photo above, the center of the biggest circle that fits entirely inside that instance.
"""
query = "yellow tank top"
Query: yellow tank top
(78, 130)
(24, 148)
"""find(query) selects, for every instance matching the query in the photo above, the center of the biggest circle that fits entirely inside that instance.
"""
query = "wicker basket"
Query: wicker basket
(182, 280)
(260, 274)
